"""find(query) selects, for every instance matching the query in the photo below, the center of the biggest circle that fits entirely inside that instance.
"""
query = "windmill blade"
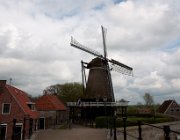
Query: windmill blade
(120, 67)
(120, 64)
(104, 31)
(76, 44)
(121, 70)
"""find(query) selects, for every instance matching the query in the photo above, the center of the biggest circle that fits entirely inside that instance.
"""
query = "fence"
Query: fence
(145, 131)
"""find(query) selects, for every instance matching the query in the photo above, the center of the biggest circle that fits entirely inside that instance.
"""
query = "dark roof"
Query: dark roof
(22, 99)
(162, 108)
(49, 102)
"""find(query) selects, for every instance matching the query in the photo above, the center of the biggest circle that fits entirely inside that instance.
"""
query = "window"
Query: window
(31, 106)
(18, 131)
(3, 131)
(6, 108)
(1, 89)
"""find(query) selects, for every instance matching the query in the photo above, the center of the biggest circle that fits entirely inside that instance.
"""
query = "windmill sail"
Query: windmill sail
(104, 31)
(120, 67)
(76, 44)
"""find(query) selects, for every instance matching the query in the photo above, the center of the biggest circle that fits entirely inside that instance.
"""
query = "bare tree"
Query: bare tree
(148, 99)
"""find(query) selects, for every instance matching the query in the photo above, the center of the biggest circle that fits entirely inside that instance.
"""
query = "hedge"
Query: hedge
(108, 122)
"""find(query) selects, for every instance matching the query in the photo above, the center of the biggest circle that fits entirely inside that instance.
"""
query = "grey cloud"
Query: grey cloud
(36, 53)
(141, 27)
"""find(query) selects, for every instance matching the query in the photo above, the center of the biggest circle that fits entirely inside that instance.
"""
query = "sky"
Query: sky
(35, 46)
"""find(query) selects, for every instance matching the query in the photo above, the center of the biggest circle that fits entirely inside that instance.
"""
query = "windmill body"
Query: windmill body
(98, 85)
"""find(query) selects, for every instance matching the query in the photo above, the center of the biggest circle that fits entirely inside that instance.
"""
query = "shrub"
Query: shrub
(151, 120)
(101, 122)
(108, 122)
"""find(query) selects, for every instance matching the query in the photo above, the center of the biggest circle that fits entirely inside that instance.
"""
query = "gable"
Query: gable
(168, 105)
(174, 107)
(164, 106)
(7, 98)
(174, 104)
(22, 99)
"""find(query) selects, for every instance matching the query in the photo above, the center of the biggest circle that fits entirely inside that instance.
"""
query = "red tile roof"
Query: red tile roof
(162, 108)
(49, 102)
(22, 99)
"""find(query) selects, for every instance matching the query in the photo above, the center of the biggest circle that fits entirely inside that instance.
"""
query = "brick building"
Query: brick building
(52, 111)
(18, 117)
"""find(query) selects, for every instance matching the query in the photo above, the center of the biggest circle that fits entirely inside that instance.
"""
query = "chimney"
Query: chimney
(2, 84)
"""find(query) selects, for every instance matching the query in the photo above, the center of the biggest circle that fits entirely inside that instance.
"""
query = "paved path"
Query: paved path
(76, 133)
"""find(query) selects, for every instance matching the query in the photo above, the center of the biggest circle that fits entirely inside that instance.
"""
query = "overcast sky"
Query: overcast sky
(35, 46)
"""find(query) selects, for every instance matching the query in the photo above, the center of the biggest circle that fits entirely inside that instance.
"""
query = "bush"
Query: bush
(151, 120)
(101, 122)
(108, 122)
(140, 115)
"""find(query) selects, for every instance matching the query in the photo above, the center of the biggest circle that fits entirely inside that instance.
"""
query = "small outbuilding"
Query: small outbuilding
(169, 107)
(52, 111)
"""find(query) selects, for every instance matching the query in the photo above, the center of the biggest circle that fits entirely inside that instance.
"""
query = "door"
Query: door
(18, 132)
(30, 127)
(2, 132)
(41, 123)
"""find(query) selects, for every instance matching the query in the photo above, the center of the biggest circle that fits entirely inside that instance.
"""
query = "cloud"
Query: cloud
(35, 46)
(142, 26)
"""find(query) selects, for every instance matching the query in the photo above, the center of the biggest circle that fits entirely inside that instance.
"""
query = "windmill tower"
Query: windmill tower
(99, 83)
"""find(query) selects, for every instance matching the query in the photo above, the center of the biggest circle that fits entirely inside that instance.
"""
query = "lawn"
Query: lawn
(103, 121)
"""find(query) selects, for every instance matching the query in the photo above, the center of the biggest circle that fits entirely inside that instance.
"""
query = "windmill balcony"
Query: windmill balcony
(97, 104)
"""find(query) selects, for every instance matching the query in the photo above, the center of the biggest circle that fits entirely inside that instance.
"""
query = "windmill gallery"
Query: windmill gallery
(98, 98)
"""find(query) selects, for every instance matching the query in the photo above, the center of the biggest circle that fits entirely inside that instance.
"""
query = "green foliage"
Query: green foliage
(151, 120)
(106, 121)
(132, 109)
(63, 126)
(68, 92)
(103, 121)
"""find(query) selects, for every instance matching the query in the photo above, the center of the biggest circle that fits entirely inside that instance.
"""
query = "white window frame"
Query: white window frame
(4, 124)
(3, 108)
(31, 106)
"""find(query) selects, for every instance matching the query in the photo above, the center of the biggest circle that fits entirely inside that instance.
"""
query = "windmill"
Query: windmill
(99, 83)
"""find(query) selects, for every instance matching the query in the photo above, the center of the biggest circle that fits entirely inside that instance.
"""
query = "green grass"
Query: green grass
(103, 121)
(63, 126)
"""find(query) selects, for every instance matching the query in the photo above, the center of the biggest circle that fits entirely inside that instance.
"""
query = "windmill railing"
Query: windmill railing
(97, 104)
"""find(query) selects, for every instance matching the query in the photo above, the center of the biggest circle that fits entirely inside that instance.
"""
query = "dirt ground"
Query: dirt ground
(75, 133)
